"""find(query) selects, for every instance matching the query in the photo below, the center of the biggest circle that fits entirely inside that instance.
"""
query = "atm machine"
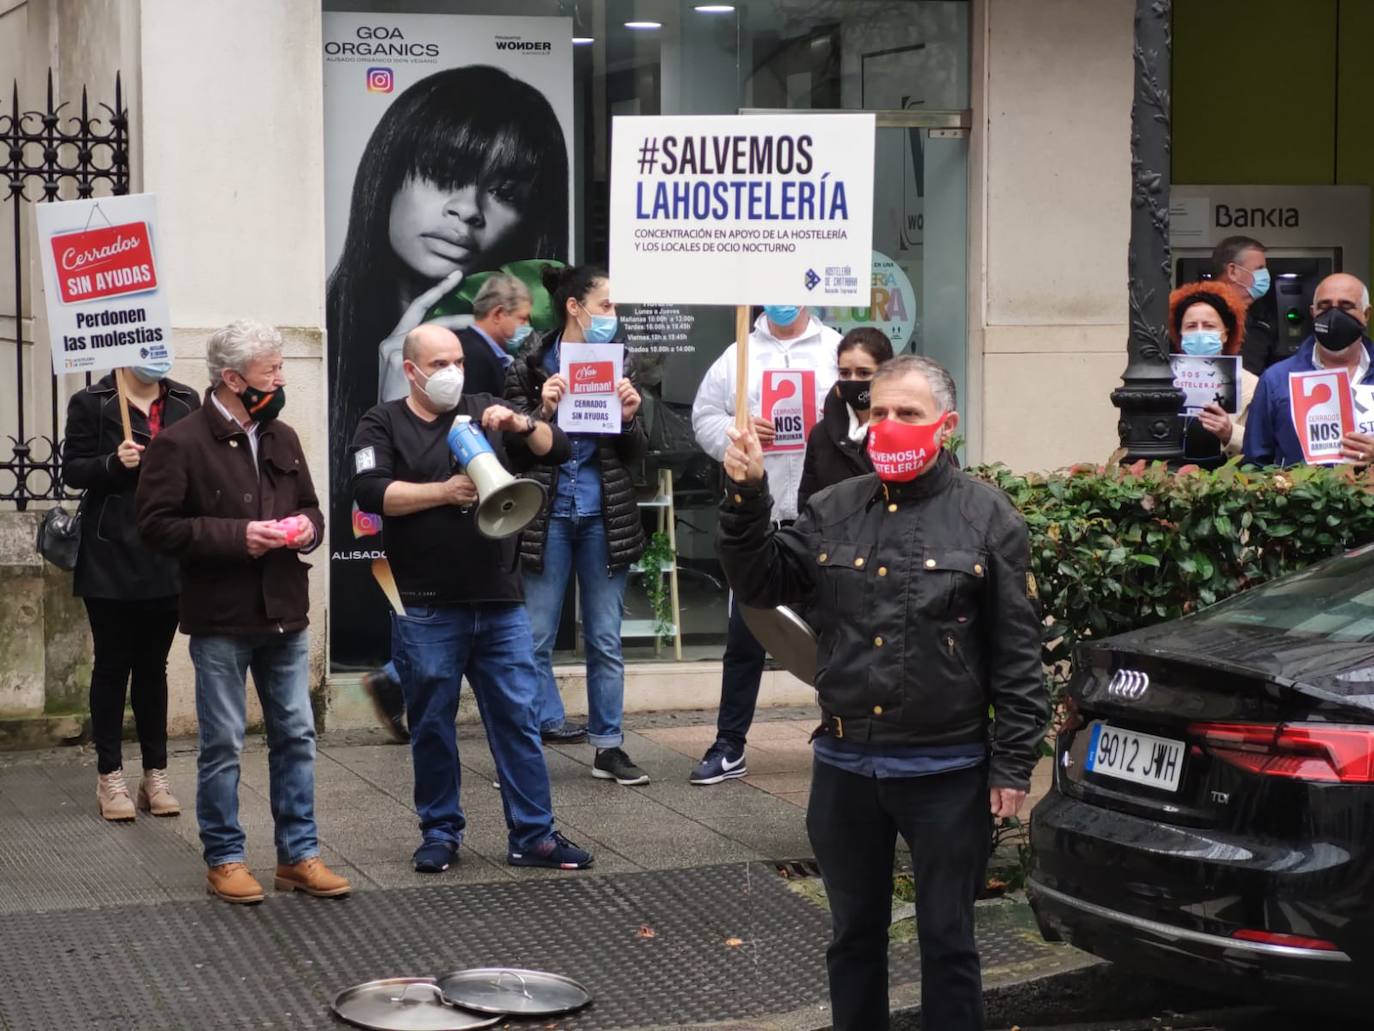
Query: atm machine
(1308, 232)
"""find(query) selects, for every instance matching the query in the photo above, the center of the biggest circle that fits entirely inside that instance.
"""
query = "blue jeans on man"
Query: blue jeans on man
(280, 664)
(577, 544)
(432, 650)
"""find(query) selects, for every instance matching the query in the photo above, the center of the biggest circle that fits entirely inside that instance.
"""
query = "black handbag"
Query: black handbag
(59, 537)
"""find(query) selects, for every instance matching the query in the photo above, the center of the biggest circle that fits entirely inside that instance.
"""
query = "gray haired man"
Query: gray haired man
(227, 491)
(500, 327)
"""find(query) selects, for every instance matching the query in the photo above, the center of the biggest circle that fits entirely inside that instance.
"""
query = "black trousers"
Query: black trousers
(132, 639)
(741, 674)
(853, 823)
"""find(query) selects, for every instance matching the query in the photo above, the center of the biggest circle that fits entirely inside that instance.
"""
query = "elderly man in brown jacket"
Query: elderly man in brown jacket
(228, 492)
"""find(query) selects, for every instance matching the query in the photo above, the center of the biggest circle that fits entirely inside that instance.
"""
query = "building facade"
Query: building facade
(1002, 182)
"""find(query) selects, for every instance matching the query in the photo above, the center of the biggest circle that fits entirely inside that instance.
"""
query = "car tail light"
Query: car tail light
(1299, 751)
(1292, 941)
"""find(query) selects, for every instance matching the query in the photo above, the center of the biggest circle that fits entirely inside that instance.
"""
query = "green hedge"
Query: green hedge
(1117, 548)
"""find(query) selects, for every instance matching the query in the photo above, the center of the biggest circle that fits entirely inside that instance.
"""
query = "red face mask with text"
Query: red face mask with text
(901, 451)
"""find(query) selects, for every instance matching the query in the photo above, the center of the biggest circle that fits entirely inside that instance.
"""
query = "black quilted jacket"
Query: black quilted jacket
(619, 504)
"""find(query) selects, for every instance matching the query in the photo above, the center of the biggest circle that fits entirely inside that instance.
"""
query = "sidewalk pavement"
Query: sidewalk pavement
(684, 921)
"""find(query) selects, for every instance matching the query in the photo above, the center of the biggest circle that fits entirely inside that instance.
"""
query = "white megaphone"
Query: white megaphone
(505, 505)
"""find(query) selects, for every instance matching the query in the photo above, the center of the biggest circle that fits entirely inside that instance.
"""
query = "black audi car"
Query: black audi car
(1212, 814)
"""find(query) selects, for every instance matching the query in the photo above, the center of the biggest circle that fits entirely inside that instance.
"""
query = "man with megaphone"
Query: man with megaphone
(451, 545)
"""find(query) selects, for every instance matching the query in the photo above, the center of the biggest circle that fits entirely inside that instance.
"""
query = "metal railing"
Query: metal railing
(45, 156)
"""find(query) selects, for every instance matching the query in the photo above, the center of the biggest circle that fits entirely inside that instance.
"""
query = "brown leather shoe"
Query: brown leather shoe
(233, 883)
(112, 795)
(312, 877)
(155, 794)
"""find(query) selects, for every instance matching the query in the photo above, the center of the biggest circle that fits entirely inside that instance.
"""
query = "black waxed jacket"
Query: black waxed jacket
(926, 609)
(113, 561)
(615, 453)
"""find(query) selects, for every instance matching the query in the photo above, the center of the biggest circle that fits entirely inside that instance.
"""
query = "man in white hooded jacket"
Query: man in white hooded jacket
(783, 337)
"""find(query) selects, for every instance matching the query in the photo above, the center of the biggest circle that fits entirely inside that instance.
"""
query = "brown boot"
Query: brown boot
(233, 883)
(112, 795)
(312, 877)
(155, 794)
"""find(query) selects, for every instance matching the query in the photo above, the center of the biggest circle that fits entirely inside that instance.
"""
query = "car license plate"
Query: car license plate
(1156, 762)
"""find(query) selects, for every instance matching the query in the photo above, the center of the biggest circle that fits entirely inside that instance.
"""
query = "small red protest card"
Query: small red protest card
(789, 402)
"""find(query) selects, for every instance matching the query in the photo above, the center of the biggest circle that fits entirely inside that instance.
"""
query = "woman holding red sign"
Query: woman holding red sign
(130, 592)
(591, 526)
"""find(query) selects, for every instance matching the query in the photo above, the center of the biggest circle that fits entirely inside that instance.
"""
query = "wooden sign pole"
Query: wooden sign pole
(742, 417)
(123, 403)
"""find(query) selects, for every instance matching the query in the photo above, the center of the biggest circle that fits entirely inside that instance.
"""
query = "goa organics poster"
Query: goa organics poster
(448, 142)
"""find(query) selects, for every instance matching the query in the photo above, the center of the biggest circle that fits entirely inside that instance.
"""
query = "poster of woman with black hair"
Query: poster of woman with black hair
(465, 171)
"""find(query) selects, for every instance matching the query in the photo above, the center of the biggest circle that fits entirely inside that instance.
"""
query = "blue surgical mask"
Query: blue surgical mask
(152, 372)
(601, 330)
(1259, 285)
(518, 338)
(1202, 341)
(782, 314)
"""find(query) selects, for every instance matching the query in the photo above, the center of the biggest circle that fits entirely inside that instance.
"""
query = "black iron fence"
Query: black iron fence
(48, 155)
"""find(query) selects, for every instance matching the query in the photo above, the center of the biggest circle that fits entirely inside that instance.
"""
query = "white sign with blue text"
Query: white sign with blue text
(742, 209)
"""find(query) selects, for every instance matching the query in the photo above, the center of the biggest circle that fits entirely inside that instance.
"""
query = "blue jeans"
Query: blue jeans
(432, 650)
(281, 673)
(578, 543)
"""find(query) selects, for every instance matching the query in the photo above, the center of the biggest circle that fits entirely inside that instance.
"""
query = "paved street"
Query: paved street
(684, 921)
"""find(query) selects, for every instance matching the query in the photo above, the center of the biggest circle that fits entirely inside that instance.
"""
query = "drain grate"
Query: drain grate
(792, 868)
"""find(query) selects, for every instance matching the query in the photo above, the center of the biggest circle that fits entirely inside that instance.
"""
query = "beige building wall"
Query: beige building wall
(1049, 227)
(227, 129)
(232, 137)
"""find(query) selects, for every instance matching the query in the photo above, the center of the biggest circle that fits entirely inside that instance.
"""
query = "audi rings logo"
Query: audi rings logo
(1129, 685)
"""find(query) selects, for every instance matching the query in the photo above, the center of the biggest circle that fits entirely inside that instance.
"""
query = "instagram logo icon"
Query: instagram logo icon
(365, 524)
(380, 80)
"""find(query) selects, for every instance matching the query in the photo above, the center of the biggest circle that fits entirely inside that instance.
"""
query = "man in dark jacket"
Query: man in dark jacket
(1340, 320)
(227, 490)
(461, 594)
(1241, 262)
(922, 589)
(501, 325)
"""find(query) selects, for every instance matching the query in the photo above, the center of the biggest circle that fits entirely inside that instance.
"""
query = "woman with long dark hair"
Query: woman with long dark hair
(591, 526)
(467, 171)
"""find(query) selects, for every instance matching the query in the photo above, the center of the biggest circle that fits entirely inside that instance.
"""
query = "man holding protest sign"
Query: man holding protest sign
(933, 701)
(1304, 409)
(792, 366)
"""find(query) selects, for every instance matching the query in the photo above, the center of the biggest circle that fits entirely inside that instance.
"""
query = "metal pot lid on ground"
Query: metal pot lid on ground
(405, 1004)
(523, 993)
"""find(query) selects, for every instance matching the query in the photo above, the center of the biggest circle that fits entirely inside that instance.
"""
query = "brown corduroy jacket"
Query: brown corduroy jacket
(196, 495)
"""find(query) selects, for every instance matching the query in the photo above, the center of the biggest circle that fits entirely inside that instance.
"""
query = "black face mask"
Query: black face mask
(263, 405)
(855, 393)
(1336, 330)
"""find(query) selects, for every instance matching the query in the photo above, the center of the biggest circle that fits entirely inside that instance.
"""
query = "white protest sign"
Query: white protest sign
(1321, 407)
(105, 298)
(742, 209)
(1207, 379)
(590, 404)
(1363, 395)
